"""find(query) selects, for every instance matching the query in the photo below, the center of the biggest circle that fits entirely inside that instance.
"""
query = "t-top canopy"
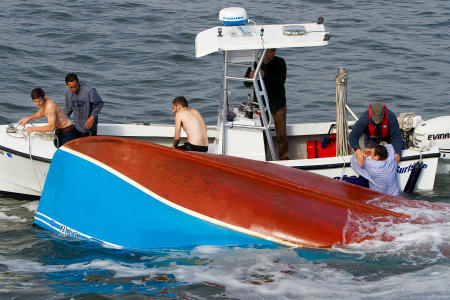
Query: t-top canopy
(251, 37)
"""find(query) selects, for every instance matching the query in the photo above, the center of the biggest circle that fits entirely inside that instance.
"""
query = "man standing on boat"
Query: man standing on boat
(380, 169)
(192, 123)
(56, 117)
(273, 72)
(86, 104)
(379, 124)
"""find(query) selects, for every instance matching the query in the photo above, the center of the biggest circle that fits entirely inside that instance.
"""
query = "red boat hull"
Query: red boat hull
(281, 204)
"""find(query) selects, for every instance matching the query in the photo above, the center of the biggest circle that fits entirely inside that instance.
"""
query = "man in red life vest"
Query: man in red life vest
(379, 124)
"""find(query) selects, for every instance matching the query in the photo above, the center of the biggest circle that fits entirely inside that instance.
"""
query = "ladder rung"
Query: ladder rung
(240, 78)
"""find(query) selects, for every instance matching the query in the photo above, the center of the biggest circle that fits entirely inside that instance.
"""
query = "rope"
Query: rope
(32, 165)
(406, 124)
(14, 131)
(405, 120)
(341, 116)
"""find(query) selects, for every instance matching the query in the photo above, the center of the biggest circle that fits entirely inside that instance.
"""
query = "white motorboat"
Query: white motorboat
(242, 125)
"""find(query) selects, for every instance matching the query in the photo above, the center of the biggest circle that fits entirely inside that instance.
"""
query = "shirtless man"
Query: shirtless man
(56, 117)
(192, 122)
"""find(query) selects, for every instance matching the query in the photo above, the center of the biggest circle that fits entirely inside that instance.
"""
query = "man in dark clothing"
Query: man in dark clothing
(86, 104)
(379, 124)
(273, 72)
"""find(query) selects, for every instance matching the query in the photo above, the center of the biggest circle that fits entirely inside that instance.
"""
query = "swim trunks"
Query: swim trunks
(190, 147)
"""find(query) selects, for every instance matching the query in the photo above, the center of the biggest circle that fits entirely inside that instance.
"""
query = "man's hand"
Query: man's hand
(23, 121)
(397, 157)
(30, 130)
(89, 122)
(360, 157)
(175, 143)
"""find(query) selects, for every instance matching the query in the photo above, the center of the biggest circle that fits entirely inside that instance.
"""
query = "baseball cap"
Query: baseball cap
(377, 112)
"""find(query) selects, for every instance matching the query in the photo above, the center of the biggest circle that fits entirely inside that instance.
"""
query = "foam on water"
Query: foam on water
(243, 273)
(426, 234)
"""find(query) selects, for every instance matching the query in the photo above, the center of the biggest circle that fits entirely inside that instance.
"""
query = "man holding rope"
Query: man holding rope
(56, 117)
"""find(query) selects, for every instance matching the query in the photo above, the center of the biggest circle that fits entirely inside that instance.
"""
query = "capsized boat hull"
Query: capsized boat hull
(133, 194)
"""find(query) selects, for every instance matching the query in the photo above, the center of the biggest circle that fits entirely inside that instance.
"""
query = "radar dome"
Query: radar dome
(233, 16)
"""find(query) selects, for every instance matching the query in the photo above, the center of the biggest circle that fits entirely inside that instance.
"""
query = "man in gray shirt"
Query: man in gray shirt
(85, 103)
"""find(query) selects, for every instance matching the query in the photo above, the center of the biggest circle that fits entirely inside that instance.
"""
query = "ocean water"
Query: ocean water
(140, 55)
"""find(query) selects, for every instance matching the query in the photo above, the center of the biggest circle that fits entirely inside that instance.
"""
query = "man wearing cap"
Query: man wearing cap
(379, 124)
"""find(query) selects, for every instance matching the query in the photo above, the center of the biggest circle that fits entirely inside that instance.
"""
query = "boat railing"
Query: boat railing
(261, 93)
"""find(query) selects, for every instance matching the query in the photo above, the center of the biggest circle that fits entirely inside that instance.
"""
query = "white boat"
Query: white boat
(241, 127)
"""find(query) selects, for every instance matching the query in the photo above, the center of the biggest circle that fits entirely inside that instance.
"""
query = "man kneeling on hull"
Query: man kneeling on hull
(192, 122)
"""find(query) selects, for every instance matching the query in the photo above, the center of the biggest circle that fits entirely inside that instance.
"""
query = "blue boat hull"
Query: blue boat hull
(118, 212)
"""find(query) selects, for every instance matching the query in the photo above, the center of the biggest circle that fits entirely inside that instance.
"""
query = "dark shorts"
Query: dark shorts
(86, 133)
(189, 147)
(63, 135)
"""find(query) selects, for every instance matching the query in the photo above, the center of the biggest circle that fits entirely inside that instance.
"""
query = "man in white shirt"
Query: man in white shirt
(379, 168)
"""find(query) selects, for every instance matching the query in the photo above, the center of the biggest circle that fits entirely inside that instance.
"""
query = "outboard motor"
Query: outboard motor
(422, 134)
(436, 131)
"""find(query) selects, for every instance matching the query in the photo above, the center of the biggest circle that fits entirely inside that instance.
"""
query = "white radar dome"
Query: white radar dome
(233, 16)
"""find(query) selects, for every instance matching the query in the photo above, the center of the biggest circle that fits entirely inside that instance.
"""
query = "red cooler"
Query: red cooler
(315, 150)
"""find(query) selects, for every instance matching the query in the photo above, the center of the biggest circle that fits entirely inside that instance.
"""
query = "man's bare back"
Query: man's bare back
(52, 108)
(193, 124)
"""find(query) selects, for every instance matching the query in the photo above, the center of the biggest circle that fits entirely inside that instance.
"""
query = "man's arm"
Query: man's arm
(391, 152)
(37, 115)
(395, 135)
(98, 103)
(280, 76)
(249, 74)
(50, 112)
(95, 98)
(366, 170)
(177, 136)
(68, 109)
(357, 130)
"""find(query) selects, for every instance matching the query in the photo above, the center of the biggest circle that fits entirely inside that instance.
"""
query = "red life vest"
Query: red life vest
(384, 125)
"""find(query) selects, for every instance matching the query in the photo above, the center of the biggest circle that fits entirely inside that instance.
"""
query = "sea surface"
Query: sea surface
(139, 55)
